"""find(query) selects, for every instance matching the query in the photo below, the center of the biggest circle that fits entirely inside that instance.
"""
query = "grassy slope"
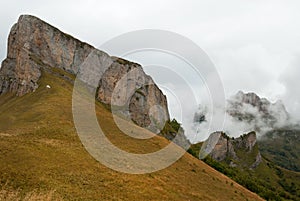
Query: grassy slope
(282, 148)
(40, 152)
(268, 180)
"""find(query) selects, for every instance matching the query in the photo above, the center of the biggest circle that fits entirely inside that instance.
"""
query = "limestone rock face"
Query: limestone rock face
(223, 149)
(246, 142)
(34, 45)
(126, 87)
(242, 151)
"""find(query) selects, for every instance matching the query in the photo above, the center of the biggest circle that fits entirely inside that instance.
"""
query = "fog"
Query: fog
(253, 44)
(242, 118)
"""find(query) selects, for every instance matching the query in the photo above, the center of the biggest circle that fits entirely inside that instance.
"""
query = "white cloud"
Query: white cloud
(290, 79)
(251, 68)
(252, 42)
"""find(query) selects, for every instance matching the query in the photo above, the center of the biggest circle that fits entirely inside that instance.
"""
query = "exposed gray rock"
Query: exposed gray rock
(236, 152)
(260, 112)
(245, 142)
(126, 87)
(34, 45)
(223, 149)
(257, 161)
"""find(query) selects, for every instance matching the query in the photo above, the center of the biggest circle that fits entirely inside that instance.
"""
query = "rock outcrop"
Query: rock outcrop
(133, 93)
(247, 112)
(34, 46)
(242, 151)
(223, 149)
(249, 107)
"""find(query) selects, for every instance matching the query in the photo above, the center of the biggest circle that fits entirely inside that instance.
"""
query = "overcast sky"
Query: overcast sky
(254, 44)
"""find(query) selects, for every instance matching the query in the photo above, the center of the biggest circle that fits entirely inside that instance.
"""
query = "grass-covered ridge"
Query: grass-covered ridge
(40, 152)
(282, 147)
(267, 180)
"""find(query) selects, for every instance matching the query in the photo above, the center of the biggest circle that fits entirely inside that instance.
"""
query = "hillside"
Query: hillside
(34, 45)
(282, 148)
(242, 160)
(42, 157)
(41, 152)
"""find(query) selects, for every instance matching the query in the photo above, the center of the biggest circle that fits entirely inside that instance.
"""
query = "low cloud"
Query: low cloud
(290, 79)
(242, 117)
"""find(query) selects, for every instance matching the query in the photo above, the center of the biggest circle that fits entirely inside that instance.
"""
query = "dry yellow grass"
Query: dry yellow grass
(7, 194)
(41, 152)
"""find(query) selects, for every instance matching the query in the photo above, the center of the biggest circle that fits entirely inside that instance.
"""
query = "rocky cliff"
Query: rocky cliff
(242, 151)
(146, 105)
(249, 107)
(35, 46)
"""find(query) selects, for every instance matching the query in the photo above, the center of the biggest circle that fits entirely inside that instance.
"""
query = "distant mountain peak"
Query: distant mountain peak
(249, 107)
(245, 112)
(250, 98)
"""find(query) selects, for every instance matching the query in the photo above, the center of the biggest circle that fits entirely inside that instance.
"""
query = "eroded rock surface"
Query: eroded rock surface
(34, 45)
(242, 151)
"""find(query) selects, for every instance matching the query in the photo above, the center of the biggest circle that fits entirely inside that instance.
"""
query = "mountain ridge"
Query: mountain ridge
(34, 45)
(41, 152)
(268, 164)
(244, 161)
(259, 112)
(233, 151)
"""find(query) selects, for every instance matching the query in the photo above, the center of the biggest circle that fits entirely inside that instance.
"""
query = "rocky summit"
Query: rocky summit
(35, 46)
(249, 107)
